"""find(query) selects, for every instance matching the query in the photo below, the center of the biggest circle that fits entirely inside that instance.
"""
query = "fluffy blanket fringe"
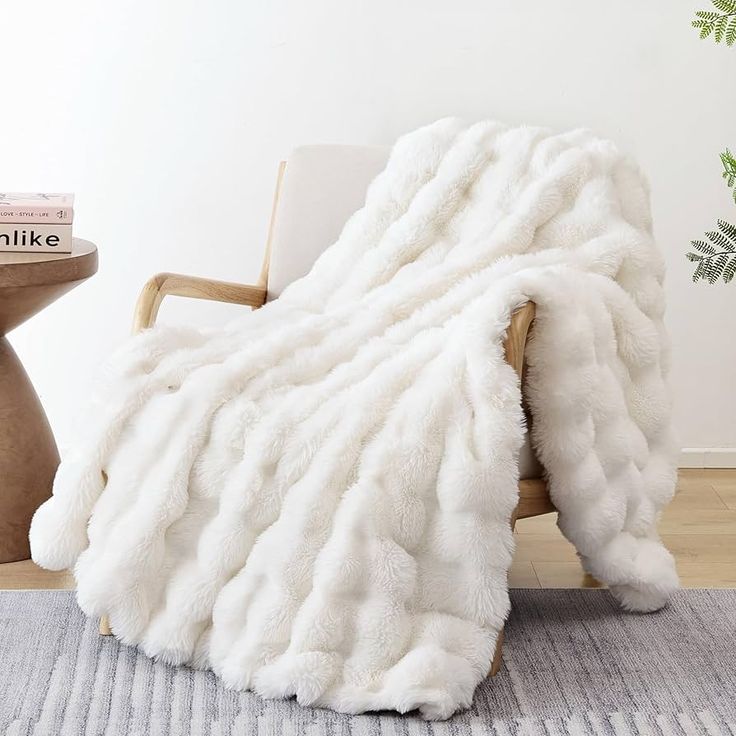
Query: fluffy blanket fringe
(314, 501)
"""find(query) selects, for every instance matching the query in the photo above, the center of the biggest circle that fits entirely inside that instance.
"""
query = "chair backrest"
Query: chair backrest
(321, 187)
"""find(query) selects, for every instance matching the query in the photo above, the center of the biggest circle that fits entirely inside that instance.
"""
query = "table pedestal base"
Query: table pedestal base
(28, 456)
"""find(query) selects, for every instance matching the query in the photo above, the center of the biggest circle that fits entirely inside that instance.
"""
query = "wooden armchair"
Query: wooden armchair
(316, 192)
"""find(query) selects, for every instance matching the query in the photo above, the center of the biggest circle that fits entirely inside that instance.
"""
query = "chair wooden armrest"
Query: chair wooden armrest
(174, 284)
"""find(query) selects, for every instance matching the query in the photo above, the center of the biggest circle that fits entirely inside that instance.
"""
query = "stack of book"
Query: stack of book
(36, 223)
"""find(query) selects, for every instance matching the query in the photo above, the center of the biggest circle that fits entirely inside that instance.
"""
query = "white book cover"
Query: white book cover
(22, 207)
(34, 238)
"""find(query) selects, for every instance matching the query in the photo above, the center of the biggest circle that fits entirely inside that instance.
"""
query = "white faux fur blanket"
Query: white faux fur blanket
(315, 500)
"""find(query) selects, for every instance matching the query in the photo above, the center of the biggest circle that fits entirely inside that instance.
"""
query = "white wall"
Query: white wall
(168, 118)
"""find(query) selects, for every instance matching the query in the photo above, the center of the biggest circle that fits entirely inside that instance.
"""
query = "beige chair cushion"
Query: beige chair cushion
(321, 188)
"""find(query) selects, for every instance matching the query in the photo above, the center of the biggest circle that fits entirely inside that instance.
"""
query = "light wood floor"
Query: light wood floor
(699, 528)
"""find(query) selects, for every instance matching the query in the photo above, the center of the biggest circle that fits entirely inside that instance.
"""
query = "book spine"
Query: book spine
(41, 214)
(34, 238)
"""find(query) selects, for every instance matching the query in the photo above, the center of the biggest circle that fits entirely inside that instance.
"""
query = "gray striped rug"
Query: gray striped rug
(574, 664)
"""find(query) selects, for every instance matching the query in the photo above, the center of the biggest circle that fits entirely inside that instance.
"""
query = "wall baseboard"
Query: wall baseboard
(708, 457)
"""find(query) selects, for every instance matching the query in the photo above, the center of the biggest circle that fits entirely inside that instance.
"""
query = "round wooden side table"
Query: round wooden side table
(28, 455)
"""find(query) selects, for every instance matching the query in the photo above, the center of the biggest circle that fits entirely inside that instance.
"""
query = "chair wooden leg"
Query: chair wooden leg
(497, 658)
(498, 654)
(105, 629)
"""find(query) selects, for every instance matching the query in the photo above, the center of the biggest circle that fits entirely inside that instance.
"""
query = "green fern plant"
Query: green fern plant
(729, 170)
(720, 23)
(717, 258)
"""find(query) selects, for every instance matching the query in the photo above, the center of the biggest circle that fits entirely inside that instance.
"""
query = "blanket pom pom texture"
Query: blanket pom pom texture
(314, 500)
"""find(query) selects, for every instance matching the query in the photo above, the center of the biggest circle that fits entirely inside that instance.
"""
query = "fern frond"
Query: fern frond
(722, 25)
(725, 6)
(702, 247)
(707, 269)
(728, 230)
(730, 271)
(729, 170)
(716, 259)
(698, 274)
(729, 166)
(706, 29)
(719, 266)
(720, 241)
(720, 28)
(731, 32)
(712, 270)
